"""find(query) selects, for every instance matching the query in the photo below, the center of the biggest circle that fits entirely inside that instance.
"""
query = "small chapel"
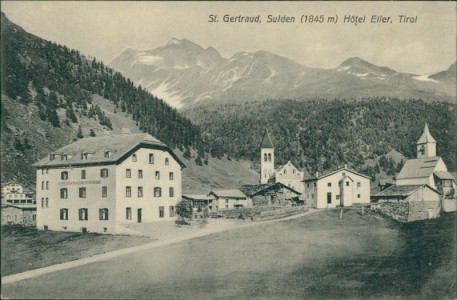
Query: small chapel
(427, 168)
(287, 174)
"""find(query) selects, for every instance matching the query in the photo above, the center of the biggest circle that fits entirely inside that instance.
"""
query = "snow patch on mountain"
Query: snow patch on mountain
(425, 78)
(149, 59)
(162, 91)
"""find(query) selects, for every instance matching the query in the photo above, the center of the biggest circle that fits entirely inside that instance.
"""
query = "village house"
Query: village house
(407, 203)
(100, 184)
(14, 193)
(271, 194)
(342, 187)
(226, 199)
(18, 205)
(287, 174)
(200, 201)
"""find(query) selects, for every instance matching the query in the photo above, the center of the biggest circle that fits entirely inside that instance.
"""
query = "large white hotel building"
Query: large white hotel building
(101, 184)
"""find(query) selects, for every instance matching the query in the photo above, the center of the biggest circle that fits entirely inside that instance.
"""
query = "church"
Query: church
(288, 174)
(427, 168)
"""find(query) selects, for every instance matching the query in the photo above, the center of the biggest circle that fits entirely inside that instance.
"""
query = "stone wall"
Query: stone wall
(423, 210)
(408, 211)
(395, 209)
(280, 213)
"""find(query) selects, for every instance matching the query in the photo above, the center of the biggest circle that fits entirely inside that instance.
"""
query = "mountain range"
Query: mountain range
(184, 74)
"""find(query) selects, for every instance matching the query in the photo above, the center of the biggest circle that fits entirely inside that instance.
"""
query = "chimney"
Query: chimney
(317, 174)
(345, 166)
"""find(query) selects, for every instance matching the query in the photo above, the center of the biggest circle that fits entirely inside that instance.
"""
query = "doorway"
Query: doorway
(139, 215)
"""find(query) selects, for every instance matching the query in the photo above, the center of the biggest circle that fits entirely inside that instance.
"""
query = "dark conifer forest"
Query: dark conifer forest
(325, 134)
(41, 73)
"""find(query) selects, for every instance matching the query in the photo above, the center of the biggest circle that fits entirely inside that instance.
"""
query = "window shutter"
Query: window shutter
(100, 213)
(106, 216)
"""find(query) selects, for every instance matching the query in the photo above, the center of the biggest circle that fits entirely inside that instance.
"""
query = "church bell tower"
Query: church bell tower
(267, 158)
(426, 145)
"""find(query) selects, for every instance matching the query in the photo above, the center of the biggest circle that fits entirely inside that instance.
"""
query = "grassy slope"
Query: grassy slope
(25, 249)
(317, 256)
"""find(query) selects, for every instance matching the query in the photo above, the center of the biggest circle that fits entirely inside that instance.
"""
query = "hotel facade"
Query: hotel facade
(102, 184)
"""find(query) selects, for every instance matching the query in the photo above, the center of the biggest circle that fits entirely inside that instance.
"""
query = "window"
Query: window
(140, 173)
(83, 214)
(104, 173)
(140, 191)
(265, 157)
(307, 184)
(347, 183)
(329, 184)
(167, 161)
(47, 185)
(329, 198)
(161, 212)
(171, 176)
(128, 173)
(226, 200)
(312, 196)
(64, 214)
(82, 192)
(151, 158)
(134, 157)
(157, 175)
(172, 211)
(157, 192)
(128, 213)
(34, 217)
(42, 202)
(226, 206)
(128, 191)
(359, 184)
(83, 174)
(104, 191)
(64, 193)
(269, 156)
(358, 196)
(42, 185)
(103, 214)
(172, 192)
(337, 197)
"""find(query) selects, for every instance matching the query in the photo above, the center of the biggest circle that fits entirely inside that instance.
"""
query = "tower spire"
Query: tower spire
(426, 145)
(266, 141)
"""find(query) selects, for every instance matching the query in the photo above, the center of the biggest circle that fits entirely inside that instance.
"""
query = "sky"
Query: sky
(106, 28)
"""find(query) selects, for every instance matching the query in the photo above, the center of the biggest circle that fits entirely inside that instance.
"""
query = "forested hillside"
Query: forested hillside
(51, 88)
(321, 135)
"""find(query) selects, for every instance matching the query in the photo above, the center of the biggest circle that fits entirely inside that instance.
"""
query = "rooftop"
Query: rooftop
(331, 172)
(418, 167)
(104, 149)
(228, 193)
(401, 191)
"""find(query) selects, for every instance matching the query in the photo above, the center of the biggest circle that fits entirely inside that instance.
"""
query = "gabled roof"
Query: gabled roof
(418, 167)
(228, 194)
(443, 175)
(198, 197)
(401, 191)
(386, 181)
(119, 146)
(249, 189)
(275, 187)
(266, 141)
(314, 178)
(426, 137)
